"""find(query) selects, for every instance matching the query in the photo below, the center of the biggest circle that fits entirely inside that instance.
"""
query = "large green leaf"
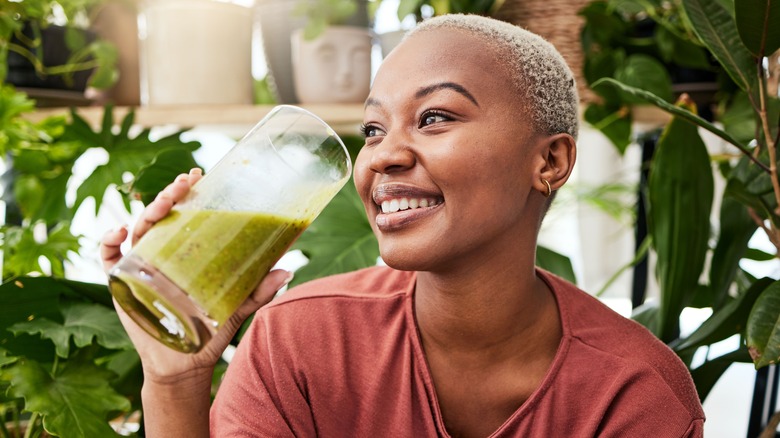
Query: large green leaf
(763, 328)
(729, 320)
(751, 186)
(736, 229)
(152, 178)
(674, 110)
(556, 263)
(646, 72)
(615, 123)
(680, 189)
(125, 154)
(706, 375)
(74, 402)
(757, 23)
(339, 240)
(716, 28)
(31, 298)
(22, 251)
(83, 322)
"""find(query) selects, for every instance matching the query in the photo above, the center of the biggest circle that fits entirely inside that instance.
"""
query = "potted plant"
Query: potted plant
(46, 44)
(699, 265)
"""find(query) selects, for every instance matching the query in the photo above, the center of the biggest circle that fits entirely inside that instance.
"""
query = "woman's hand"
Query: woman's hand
(162, 364)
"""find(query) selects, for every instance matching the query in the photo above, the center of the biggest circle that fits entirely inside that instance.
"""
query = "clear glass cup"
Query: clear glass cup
(190, 272)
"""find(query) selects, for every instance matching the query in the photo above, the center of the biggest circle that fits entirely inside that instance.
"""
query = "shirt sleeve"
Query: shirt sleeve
(259, 395)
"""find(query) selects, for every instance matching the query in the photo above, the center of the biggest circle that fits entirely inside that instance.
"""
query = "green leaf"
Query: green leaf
(151, 179)
(556, 263)
(674, 110)
(125, 154)
(739, 119)
(340, 240)
(408, 7)
(729, 320)
(680, 188)
(763, 328)
(753, 187)
(83, 322)
(31, 298)
(647, 315)
(6, 358)
(736, 229)
(646, 72)
(75, 402)
(22, 251)
(706, 375)
(715, 27)
(758, 255)
(615, 124)
(757, 23)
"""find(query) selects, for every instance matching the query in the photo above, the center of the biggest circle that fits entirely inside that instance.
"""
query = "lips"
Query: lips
(400, 204)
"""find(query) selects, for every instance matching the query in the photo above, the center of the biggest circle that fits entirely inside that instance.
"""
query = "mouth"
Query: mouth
(398, 204)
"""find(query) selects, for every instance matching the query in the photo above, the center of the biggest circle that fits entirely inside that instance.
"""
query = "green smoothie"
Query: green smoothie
(216, 257)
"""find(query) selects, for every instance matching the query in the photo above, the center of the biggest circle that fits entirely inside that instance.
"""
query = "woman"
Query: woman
(470, 127)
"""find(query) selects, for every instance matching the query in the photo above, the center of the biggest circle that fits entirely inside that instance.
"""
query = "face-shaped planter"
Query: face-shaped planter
(335, 67)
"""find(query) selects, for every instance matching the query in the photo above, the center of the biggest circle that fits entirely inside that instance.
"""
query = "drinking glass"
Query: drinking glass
(191, 271)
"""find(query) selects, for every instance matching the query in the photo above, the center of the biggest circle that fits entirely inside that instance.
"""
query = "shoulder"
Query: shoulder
(635, 362)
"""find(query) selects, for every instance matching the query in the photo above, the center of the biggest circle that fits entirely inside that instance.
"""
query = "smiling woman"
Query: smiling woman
(470, 127)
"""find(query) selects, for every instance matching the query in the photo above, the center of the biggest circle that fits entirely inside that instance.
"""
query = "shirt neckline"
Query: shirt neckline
(539, 392)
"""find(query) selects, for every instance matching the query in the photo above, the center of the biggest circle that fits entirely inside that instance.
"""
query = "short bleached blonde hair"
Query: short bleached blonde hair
(542, 79)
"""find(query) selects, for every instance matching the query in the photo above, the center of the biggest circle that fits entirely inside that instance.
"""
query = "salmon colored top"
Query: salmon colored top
(342, 357)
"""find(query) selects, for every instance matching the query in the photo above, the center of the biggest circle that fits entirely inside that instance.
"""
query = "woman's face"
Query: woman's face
(447, 170)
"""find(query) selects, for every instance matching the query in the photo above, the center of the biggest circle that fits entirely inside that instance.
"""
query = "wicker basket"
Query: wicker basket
(557, 22)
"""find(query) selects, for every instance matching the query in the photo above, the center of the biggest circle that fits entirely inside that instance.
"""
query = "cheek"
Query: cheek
(362, 176)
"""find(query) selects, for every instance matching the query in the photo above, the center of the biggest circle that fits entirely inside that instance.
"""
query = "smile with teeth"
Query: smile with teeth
(400, 204)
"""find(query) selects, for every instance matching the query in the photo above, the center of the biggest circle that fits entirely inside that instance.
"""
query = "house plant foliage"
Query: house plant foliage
(22, 24)
(698, 265)
(66, 365)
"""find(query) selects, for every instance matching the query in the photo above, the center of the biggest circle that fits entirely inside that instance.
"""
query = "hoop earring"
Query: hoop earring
(549, 189)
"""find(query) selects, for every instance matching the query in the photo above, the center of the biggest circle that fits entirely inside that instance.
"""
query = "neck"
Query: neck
(490, 307)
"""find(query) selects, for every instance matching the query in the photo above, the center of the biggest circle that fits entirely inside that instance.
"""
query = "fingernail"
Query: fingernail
(120, 228)
(288, 279)
(196, 171)
(181, 178)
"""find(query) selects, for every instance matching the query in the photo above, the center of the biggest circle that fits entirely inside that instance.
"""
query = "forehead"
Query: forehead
(444, 55)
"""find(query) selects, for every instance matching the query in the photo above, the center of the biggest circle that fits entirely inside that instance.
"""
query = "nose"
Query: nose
(393, 154)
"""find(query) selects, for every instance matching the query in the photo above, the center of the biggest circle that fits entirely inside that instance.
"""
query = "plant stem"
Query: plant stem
(771, 427)
(770, 141)
(31, 425)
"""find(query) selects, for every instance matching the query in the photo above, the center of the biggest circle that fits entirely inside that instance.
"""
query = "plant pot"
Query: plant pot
(195, 52)
(21, 72)
(277, 23)
(388, 41)
(335, 67)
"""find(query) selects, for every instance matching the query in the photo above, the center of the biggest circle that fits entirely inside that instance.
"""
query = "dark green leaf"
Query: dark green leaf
(758, 255)
(680, 189)
(705, 376)
(736, 229)
(82, 322)
(757, 23)
(729, 320)
(556, 263)
(674, 110)
(407, 7)
(647, 315)
(739, 119)
(614, 124)
(339, 240)
(716, 28)
(74, 402)
(22, 251)
(151, 179)
(763, 328)
(649, 74)
(27, 299)
(753, 187)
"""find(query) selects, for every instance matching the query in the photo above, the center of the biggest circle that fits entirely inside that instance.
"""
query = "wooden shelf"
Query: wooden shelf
(344, 118)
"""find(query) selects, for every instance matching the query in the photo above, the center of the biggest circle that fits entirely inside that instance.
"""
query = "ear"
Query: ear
(558, 153)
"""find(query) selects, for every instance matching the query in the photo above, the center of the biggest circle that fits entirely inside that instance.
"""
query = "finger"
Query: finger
(110, 247)
(195, 175)
(154, 212)
(264, 293)
(177, 190)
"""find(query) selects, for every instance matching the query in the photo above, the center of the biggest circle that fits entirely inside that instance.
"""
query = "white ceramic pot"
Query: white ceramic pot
(335, 67)
(195, 52)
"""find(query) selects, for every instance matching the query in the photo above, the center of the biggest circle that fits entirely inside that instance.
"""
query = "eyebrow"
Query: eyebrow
(425, 91)
(422, 92)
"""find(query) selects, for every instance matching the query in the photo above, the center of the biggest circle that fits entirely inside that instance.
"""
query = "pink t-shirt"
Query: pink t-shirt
(341, 357)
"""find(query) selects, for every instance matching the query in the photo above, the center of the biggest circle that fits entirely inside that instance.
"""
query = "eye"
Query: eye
(431, 117)
(369, 130)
